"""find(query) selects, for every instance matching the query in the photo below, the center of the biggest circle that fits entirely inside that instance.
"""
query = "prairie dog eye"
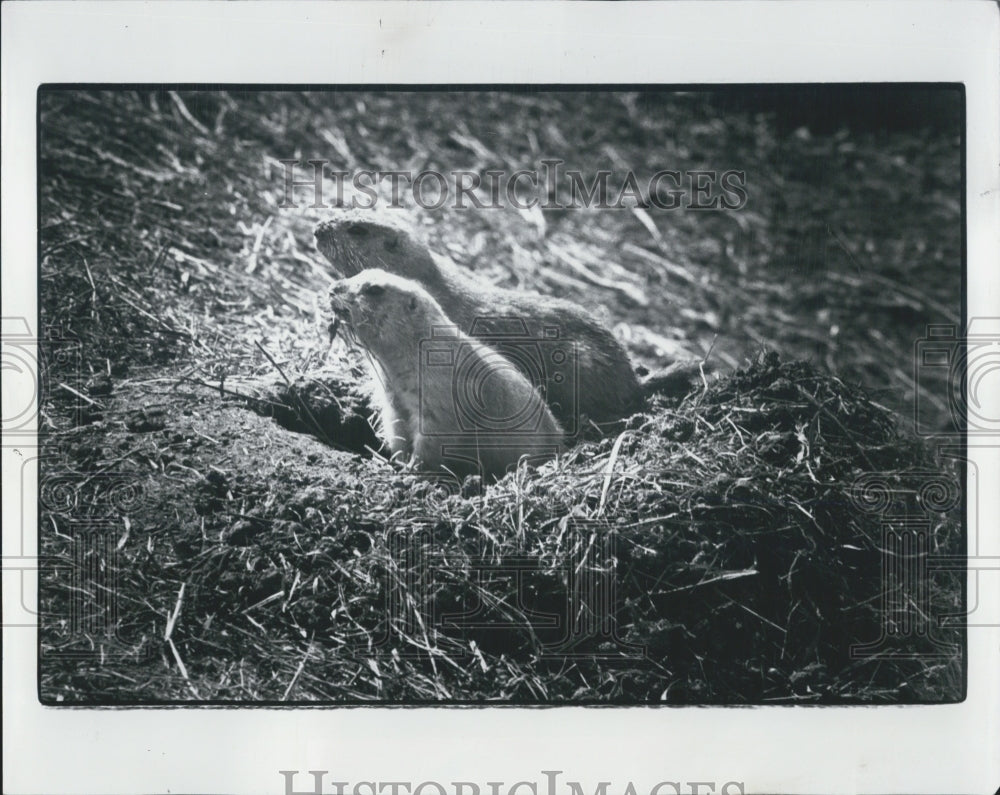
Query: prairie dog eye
(392, 243)
(373, 289)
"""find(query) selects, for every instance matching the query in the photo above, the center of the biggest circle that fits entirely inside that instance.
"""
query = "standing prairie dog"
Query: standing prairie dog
(596, 382)
(447, 400)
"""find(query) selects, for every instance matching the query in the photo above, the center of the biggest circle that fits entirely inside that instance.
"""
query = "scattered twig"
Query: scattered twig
(252, 259)
(632, 293)
(79, 394)
(168, 638)
(186, 114)
(298, 672)
(609, 470)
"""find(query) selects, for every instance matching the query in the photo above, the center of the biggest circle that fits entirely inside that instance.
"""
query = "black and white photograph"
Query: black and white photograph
(477, 395)
(402, 413)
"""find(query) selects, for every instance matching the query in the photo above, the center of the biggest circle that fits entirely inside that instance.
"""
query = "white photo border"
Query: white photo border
(916, 749)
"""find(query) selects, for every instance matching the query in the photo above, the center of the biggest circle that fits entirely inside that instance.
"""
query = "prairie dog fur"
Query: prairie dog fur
(447, 400)
(600, 385)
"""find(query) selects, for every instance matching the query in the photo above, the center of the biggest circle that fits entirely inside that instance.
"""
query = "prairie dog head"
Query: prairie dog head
(385, 312)
(356, 239)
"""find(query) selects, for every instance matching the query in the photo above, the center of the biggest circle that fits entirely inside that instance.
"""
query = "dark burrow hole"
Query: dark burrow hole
(333, 410)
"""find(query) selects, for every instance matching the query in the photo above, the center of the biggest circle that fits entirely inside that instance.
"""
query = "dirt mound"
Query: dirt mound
(717, 550)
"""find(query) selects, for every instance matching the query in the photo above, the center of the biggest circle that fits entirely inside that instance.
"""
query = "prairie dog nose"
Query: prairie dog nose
(340, 297)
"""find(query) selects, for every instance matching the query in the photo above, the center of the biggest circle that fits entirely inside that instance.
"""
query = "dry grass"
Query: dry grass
(254, 564)
(743, 568)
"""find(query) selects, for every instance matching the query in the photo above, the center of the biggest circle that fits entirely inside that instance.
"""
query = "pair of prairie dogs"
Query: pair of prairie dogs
(472, 377)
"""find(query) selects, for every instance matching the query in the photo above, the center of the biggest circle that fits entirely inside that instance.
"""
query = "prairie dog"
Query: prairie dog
(447, 400)
(597, 382)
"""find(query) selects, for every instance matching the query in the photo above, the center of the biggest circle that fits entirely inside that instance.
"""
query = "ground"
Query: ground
(256, 552)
